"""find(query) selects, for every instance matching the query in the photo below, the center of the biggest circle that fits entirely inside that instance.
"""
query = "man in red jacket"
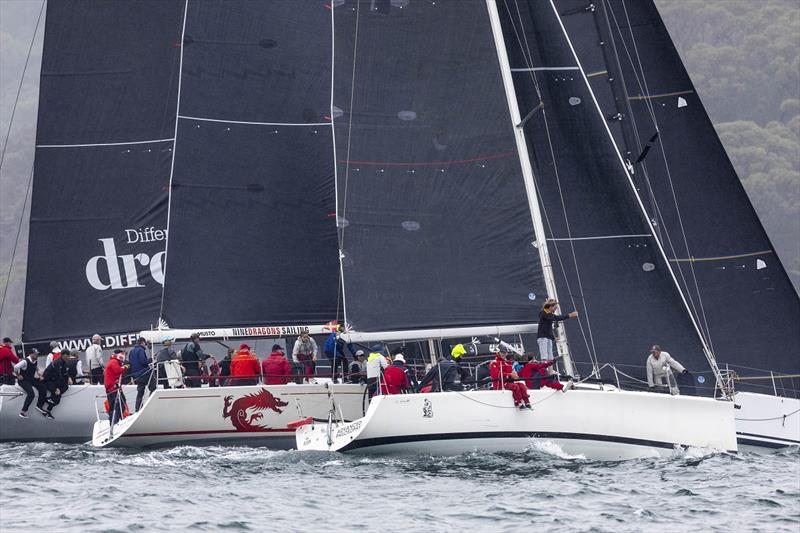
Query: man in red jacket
(536, 376)
(244, 367)
(275, 368)
(395, 379)
(7, 361)
(113, 381)
(504, 377)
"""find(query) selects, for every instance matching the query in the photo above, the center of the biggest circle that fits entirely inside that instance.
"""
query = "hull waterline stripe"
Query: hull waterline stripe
(402, 439)
(102, 144)
(761, 443)
(633, 236)
(255, 123)
(207, 432)
(788, 442)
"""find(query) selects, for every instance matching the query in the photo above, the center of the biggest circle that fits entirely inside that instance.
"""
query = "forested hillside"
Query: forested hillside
(744, 59)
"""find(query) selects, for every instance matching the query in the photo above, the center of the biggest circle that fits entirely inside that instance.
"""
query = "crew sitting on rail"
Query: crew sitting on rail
(504, 377)
(659, 363)
(537, 375)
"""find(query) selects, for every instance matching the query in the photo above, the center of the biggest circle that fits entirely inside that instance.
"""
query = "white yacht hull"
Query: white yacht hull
(74, 416)
(764, 421)
(595, 424)
(251, 415)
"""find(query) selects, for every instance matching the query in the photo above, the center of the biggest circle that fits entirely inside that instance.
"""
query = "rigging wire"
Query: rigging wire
(347, 160)
(3, 158)
(528, 57)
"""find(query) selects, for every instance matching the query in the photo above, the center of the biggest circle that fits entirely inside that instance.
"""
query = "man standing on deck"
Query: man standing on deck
(113, 381)
(167, 353)
(94, 360)
(545, 337)
(141, 372)
(275, 368)
(658, 364)
(244, 367)
(54, 355)
(193, 356)
(7, 361)
(304, 355)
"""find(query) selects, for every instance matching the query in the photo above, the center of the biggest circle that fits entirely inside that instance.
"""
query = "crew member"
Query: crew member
(545, 337)
(54, 355)
(447, 374)
(358, 368)
(304, 355)
(504, 377)
(7, 361)
(275, 368)
(536, 375)
(113, 383)
(376, 364)
(395, 380)
(658, 364)
(28, 377)
(335, 351)
(192, 357)
(141, 370)
(244, 367)
(166, 354)
(94, 360)
(56, 379)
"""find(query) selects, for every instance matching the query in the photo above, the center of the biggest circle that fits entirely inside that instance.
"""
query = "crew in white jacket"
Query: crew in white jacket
(657, 364)
(94, 360)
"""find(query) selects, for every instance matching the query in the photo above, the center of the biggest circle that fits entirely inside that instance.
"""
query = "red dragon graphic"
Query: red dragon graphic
(258, 401)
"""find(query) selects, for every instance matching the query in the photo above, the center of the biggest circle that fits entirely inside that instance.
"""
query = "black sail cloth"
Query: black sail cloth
(738, 288)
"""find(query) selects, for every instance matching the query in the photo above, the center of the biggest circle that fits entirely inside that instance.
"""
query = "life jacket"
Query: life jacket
(29, 373)
(125, 411)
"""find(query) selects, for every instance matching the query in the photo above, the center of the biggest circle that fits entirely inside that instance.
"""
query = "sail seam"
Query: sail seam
(172, 164)
(103, 144)
(205, 119)
(541, 69)
(720, 258)
(634, 235)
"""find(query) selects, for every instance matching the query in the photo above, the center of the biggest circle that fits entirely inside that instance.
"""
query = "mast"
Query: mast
(527, 173)
(706, 349)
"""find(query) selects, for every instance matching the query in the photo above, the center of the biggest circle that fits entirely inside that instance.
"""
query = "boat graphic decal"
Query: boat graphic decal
(427, 409)
(245, 411)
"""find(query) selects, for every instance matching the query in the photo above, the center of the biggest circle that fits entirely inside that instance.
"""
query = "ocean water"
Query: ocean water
(63, 488)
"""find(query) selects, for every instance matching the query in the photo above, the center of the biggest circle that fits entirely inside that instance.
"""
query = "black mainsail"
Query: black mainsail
(435, 227)
(252, 217)
(727, 266)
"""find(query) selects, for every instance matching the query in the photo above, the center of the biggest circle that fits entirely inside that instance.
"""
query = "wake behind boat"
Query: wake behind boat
(595, 423)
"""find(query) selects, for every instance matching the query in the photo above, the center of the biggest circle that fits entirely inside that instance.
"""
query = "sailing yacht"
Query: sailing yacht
(253, 164)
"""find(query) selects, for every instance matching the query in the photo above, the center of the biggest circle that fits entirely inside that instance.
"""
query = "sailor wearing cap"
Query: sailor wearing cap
(658, 364)
(548, 319)
(167, 353)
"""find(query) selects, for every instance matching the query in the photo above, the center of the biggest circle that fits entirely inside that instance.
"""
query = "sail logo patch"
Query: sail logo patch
(245, 411)
(112, 270)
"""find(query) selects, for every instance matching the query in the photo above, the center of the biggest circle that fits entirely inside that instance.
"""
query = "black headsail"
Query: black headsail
(104, 146)
(737, 287)
(434, 221)
(252, 208)
(606, 260)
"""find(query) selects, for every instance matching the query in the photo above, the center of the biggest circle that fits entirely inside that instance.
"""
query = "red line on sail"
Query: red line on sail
(430, 163)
